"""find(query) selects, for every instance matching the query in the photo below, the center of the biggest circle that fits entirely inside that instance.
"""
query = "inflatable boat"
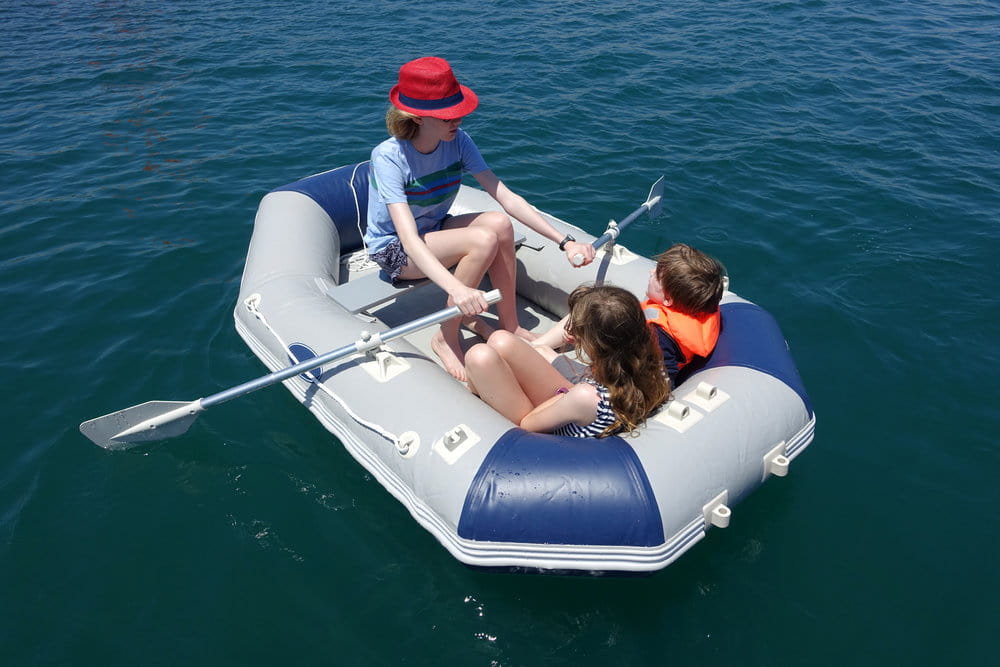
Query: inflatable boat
(493, 494)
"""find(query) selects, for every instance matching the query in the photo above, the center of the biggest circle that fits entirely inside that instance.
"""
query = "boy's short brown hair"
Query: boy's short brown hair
(691, 279)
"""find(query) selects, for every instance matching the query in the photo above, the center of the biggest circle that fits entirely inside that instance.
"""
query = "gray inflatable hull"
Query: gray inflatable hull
(492, 494)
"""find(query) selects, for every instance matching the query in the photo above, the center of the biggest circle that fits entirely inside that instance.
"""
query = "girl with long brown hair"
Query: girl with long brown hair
(625, 383)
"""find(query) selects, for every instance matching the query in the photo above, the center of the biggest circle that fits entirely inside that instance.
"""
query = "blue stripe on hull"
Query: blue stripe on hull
(343, 194)
(750, 337)
(545, 489)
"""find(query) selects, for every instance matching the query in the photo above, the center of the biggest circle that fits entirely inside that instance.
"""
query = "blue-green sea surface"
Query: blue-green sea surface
(841, 158)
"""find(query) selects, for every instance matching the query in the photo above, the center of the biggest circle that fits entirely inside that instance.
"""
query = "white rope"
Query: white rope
(357, 204)
(358, 260)
(252, 304)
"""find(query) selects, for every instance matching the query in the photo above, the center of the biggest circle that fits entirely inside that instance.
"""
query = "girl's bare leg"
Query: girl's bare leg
(534, 374)
(495, 383)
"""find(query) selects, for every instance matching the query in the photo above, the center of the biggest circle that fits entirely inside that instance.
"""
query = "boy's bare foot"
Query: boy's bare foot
(451, 357)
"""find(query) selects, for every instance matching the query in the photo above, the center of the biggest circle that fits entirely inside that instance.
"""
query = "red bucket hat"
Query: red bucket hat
(427, 87)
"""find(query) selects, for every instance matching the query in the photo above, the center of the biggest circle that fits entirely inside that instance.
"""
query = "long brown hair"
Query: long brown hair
(608, 326)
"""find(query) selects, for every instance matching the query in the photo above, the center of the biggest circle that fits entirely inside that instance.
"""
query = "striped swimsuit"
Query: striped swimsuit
(605, 417)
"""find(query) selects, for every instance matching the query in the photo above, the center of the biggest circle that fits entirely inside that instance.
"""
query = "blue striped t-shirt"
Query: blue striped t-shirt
(428, 182)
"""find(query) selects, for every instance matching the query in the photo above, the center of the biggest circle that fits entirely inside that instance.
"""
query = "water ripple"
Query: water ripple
(840, 158)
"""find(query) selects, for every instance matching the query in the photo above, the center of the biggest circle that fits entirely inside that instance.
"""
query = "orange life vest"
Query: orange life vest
(695, 335)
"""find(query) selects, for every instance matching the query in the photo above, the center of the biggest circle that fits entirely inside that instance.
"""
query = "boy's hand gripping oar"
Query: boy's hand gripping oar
(158, 420)
(652, 204)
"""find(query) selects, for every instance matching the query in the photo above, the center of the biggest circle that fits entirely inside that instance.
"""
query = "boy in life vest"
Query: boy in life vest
(681, 306)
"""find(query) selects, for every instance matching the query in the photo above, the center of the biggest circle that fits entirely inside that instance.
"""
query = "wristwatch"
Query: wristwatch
(562, 244)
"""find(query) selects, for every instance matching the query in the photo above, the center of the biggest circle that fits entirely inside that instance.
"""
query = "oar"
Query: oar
(652, 204)
(159, 420)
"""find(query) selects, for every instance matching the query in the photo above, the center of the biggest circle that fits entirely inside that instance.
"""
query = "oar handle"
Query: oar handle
(367, 342)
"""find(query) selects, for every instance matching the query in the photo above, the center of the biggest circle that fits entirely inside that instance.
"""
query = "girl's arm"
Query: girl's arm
(468, 299)
(555, 337)
(518, 207)
(579, 406)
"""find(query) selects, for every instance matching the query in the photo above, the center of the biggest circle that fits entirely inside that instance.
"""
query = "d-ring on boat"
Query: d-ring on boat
(493, 494)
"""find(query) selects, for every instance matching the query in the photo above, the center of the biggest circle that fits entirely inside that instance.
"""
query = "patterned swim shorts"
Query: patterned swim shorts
(392, 259)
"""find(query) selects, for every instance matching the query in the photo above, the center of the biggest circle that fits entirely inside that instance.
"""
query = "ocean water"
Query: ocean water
(841, 158)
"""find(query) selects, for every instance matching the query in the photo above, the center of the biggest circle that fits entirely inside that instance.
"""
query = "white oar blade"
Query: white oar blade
(655, 199)
(159, 420)
(155, 420)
